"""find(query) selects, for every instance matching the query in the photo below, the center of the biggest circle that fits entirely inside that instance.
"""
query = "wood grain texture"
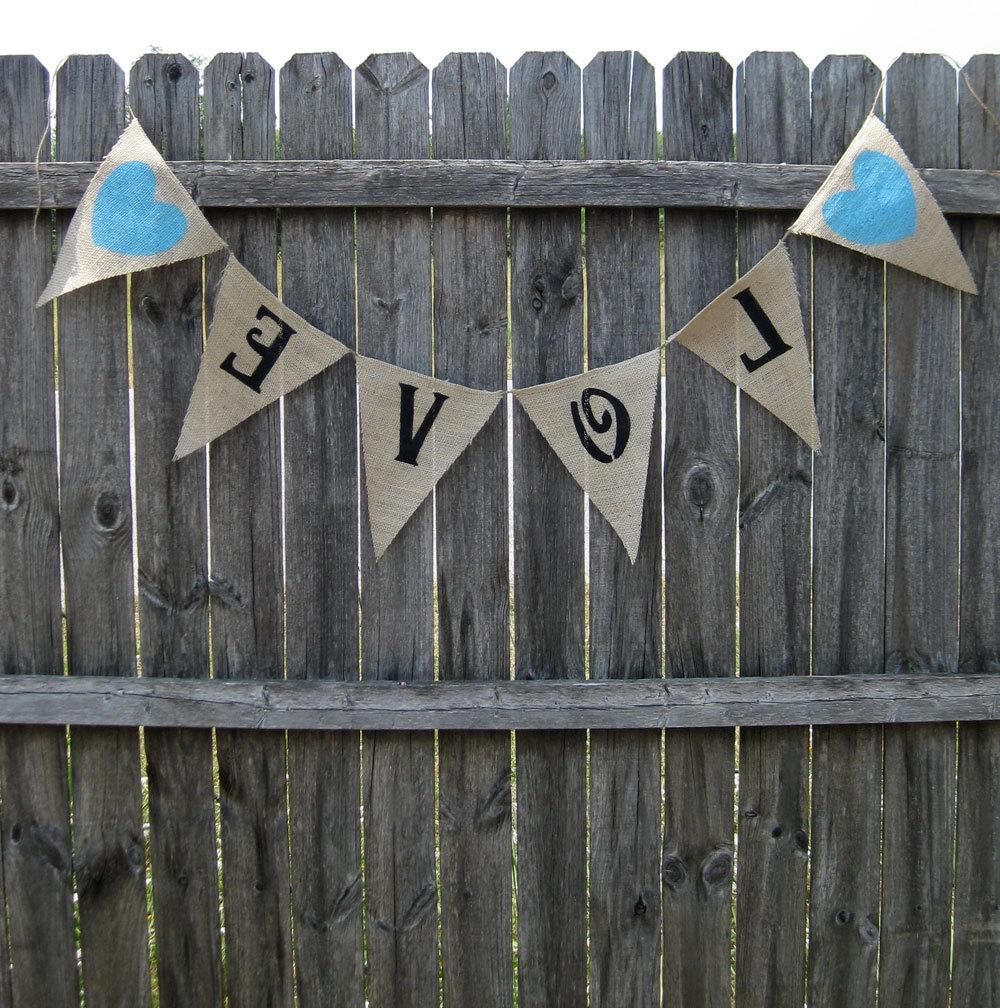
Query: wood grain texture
(921, 608)
(848, 577)
(623, 305)
(246, 581)
(975, 971)
(470, 325)
(772, 110)
(96, 520)
(476, 705)
(477, 183)
(397, 604)
(547, 323)
(321, 551)
(171, 529)
(700, 491)
(34, 816)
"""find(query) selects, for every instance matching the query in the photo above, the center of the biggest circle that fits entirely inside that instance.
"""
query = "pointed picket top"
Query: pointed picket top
(619, 107)
(315, 90)
(545, 107)
(875, 202)
(600, 425)
(257, 350)
(753, 334)
(413, 428)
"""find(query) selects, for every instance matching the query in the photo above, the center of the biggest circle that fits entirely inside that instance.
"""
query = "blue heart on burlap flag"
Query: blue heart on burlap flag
(880, 209)
(129, 220)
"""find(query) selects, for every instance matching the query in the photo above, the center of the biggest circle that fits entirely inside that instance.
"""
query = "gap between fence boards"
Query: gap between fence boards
(501, 705)
(461, 183)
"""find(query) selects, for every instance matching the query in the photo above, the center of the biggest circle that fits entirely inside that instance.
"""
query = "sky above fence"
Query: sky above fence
(880, 30)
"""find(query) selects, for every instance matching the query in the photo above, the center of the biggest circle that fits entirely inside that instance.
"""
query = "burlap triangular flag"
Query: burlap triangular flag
(753, 334)
(874, 201)
(413, 427)
(600, 424)
(134, 215)
(257, 350)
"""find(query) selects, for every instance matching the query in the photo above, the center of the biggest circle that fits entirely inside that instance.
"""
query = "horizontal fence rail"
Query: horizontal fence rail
(98, 701)
(480, 183)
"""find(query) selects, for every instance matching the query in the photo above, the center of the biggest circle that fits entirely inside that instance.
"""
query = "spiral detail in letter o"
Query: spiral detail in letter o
(601, 424)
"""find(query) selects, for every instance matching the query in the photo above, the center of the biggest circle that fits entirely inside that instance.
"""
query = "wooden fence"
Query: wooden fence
(398, 844)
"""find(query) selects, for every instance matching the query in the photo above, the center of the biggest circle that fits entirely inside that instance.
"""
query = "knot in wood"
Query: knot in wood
(108, 512)
(9, 497)
(717, 870)
(674, 872)
(639, 910)
(174, 72)
(868, 932)
(699, 489)
(549, 80)
(151, 309)
(843, 917)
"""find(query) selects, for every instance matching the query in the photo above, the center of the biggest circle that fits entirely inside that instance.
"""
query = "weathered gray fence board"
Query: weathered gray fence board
(976, 950)
(848, 577)
(171, 529)
(246, 581)
(96, 522)
(394, 318)
(547, 326)
(34, 814)
(623, 312)
(700, 490)
(470, 327)
(772, 110)
(514, 183)
(321, 551)
(531, 704)
(921, 611)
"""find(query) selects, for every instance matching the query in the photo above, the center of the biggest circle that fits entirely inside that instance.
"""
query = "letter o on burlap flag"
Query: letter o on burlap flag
(600, 424)
(413, 428)
(134, 215)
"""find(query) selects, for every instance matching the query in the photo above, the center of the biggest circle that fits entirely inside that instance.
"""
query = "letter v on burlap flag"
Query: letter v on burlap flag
(257, 350)
(600, 424)
(134, 215)
(753, 334)
(413, 428)
(874, 201)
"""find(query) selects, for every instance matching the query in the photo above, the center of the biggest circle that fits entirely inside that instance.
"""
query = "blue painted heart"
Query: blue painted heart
(880, 209)
(129, 220)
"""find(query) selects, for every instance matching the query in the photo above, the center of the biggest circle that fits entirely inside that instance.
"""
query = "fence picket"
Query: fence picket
(470, 326)
(976, 962)
(921, 609)
(700, 490)
(96, 520)
(623, 305)
(34, 814)
(772, 121)
(171, 529)
(397, 604)
(246, 580)
(321, 559)
(547, 325)
(848, 584)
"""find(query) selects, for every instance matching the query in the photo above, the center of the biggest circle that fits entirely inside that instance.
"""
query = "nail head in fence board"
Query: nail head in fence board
(321, 543)
(623, 302)
(171, 529)
(976, 957)
(700, 490)
(848, 580)
(921, 610)
(246, 580)
(772, 108)
(96, 522)
(470, 324)
(521, 183)
(34, 815)
(397, 604)
(547, 322)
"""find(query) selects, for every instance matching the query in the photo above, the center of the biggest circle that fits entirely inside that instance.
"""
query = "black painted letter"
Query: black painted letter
(268, 352)
(410, 443)
(776, 346)
(602, 424)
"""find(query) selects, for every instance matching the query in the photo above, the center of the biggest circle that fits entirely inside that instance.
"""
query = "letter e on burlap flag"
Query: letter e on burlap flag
(134, 215)
(413, 428)
(753, 334)
(600, 424)
(874, 201)
(257, 350)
